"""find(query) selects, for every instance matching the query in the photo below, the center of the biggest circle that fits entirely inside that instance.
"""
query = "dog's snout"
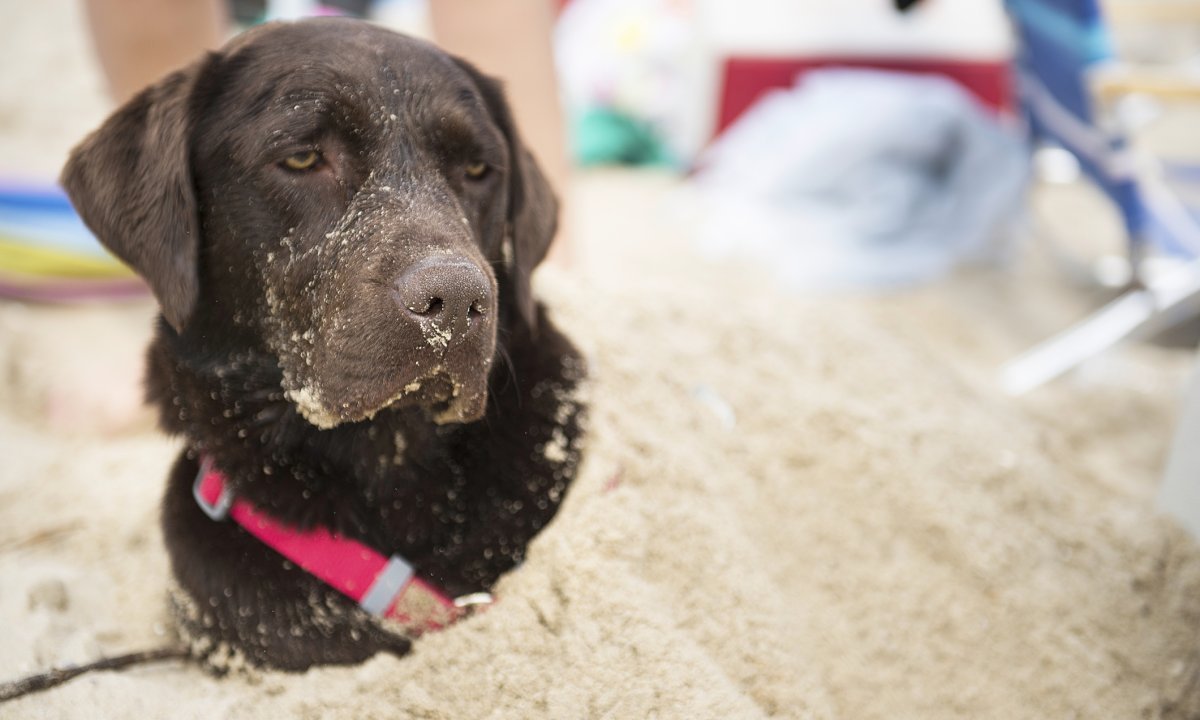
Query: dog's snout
(447, 292)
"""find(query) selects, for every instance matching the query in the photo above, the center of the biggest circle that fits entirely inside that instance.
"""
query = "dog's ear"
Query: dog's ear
(131, 182)
(532, 206)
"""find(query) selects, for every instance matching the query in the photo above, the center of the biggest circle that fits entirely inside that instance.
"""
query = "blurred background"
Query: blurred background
(891, 303)
(1010, 181)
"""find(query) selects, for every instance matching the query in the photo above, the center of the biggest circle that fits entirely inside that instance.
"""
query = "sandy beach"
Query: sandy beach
(790, 507)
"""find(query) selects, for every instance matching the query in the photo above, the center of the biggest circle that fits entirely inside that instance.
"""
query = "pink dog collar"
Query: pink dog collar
(383, 586)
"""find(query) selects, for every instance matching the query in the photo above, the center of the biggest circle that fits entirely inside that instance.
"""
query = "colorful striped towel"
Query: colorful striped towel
(47, 255)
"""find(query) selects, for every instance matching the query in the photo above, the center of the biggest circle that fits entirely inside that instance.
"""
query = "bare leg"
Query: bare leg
(512, 40)
(88, 379)
(139, 41)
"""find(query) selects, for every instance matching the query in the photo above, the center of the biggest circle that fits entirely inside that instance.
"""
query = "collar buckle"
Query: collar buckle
(219, 508)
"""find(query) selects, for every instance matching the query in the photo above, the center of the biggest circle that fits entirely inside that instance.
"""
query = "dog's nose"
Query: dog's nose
(446, 294)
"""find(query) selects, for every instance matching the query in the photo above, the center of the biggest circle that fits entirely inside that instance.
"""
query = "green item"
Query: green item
(609, 137)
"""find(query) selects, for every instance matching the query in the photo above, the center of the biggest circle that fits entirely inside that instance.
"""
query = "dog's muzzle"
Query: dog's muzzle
(452, 302)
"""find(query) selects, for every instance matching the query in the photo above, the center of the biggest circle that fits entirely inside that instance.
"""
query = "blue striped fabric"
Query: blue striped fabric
(42, 215)
(1059, 42)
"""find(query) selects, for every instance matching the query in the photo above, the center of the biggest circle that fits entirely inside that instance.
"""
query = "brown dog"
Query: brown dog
(339, 224)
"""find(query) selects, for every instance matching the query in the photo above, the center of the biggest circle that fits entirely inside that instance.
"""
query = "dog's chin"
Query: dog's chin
(444, 397)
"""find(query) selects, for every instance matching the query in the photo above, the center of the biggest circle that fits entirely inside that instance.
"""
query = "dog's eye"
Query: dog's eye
(306, 160)
(477, 171)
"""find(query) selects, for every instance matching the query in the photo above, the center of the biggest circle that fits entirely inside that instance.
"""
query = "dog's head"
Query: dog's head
(354, 202)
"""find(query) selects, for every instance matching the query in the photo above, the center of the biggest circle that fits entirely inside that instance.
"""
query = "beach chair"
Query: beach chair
(1065, 70)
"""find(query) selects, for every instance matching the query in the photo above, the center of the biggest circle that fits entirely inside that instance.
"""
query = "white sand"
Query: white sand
(878, 535)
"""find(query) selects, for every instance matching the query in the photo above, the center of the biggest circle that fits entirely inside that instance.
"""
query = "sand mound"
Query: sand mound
(787, 510)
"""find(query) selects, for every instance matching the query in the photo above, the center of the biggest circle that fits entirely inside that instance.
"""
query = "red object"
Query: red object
(745, 79)
(71, 290)
(385, 586)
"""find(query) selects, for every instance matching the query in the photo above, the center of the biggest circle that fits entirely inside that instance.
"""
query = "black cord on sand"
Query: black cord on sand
(44, 681)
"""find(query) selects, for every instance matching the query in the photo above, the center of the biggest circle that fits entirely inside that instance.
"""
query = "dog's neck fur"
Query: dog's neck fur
(269, 451)
(397, 481)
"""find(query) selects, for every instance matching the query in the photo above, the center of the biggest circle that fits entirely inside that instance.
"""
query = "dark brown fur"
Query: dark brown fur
(283, 353)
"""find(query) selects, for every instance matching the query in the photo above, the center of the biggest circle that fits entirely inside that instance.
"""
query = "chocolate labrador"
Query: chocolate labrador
(339, 224)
